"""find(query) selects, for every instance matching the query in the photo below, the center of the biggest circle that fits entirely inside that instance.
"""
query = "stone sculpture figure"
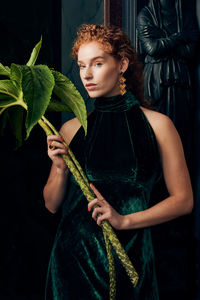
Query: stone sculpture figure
(167, 40)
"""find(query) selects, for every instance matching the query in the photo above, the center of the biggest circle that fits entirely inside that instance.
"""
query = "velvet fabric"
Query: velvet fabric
(120, 157)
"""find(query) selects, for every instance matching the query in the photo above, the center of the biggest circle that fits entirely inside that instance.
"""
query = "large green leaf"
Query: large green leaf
(4, 70)
(34, 54)
(56, 105)
(16, 76)
(6, 100)
(67, 92)
(37, 86)
(7, 87)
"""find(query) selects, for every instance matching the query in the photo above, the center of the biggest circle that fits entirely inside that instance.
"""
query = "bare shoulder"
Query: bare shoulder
(156, 118)
(162, 125)
(69, 129)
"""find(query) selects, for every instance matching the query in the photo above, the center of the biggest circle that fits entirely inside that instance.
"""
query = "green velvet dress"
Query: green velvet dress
(120, 157)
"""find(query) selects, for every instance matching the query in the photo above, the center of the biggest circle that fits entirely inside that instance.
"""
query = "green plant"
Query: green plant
(36, 89)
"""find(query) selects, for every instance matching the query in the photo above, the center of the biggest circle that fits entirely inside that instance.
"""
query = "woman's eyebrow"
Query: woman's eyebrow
(94, 58)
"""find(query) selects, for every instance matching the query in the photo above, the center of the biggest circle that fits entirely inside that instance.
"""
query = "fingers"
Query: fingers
(97, 193)
(55, 142)
(53, 145)
(56, 147)
(100, 212)
(96, 212)
(102, 218)
(57, 151)
(97, 202)
(52, 138)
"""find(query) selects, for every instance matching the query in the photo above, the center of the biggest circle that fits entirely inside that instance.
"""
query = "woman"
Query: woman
(124, 153)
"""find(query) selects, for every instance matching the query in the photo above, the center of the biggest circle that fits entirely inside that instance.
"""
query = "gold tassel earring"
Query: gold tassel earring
(122, 84)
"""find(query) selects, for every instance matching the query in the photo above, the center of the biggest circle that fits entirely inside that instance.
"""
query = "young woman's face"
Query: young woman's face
(99, 71)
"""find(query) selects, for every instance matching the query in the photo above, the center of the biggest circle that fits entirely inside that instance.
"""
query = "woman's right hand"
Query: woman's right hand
(55, 153)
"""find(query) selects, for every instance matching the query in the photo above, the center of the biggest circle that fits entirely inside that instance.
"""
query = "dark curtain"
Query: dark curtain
(27, 228)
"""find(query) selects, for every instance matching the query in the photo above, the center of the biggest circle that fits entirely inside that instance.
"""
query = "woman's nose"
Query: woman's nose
(88, 74)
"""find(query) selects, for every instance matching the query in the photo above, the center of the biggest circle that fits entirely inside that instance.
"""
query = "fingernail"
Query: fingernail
(62, 139)
(88, 209)
(91, 184)
(66, 149)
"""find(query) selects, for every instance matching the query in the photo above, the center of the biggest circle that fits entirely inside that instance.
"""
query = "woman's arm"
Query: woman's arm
(180, 200)
(55, 188)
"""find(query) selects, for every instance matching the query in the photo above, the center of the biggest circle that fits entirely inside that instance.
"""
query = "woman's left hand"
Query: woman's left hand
(106, 210)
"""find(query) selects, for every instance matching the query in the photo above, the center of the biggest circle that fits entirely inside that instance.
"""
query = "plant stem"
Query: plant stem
(111, 263)
(70, 163)
(8, 105)
(69, 151)
(106, 227)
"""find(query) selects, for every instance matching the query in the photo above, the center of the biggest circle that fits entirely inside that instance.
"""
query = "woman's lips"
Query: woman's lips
(90, 86)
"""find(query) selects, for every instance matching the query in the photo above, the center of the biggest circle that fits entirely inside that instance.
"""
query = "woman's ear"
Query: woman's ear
(124, 64)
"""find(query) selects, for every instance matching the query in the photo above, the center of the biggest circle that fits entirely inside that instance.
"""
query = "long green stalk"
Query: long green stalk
(108, 232)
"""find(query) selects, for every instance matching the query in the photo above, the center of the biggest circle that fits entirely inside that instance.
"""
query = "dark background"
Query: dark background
(27, 229)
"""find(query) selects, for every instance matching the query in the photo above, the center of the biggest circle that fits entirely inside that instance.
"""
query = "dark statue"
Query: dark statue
(167, 40)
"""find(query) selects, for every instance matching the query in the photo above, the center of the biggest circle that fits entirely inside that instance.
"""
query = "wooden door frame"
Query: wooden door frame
(122, 13)
(113, 12)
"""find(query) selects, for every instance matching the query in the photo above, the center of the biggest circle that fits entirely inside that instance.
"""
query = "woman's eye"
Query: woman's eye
(98, 64)
(81, 66)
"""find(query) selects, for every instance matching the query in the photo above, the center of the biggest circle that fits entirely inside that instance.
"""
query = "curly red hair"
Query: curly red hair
(116, 43)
